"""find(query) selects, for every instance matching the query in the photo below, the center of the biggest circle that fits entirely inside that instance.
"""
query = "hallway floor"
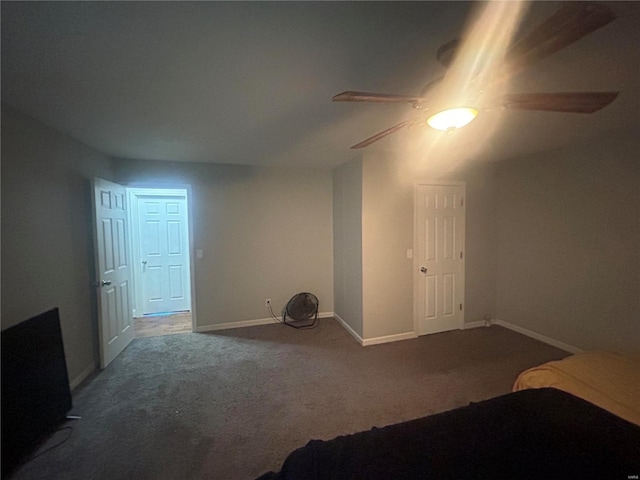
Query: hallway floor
(163, 324)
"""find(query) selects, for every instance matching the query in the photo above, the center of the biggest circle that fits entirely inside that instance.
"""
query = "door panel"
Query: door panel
(439, 243)
(116, 329)
(164, 254)
(176, 277)
(174, 246)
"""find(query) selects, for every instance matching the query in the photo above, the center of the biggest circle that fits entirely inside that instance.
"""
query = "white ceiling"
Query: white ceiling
(251, 82)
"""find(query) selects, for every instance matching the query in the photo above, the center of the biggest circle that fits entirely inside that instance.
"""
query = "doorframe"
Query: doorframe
(416, 264)
(133, 190)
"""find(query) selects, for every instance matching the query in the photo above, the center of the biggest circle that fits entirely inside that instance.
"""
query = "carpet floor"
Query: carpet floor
(232, 404)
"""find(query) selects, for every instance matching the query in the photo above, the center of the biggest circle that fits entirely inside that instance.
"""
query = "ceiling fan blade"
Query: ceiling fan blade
(351, 96)
(567, 25)
(447, 52)
(381, 135)
(582, 102)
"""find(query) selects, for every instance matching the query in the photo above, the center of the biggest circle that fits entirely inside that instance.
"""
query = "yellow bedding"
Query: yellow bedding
(608, 380)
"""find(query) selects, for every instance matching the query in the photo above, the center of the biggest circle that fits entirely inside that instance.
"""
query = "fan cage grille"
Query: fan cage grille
(301, 307)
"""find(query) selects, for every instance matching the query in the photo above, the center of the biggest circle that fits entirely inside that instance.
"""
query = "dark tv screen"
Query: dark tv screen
(35, 385)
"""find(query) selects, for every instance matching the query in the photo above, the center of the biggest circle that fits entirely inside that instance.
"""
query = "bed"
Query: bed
(609, 380)
(532, 433)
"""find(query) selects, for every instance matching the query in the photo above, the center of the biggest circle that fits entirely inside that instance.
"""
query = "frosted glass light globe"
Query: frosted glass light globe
(452, 118)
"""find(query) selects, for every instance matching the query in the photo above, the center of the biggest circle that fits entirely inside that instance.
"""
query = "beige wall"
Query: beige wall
(47, 241)
(264, 232)
(552, 241)
(347, 243)
(480, 242)
(569, 231)
(387, 233)
(387, 204)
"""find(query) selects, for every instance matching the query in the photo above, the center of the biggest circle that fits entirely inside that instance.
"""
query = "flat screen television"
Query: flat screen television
(35, 386)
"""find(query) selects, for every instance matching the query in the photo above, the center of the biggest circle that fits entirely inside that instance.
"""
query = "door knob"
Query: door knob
(423, 269)
(106, 282)
(144, 262)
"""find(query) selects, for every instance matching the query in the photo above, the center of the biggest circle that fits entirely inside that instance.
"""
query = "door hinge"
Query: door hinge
(462, 201)
(460, 254)
(460, 307)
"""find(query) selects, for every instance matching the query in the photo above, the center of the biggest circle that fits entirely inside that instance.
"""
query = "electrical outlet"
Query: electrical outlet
(267, 302)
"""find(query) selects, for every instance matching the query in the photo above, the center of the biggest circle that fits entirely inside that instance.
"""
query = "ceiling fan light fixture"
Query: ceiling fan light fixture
(452, 118)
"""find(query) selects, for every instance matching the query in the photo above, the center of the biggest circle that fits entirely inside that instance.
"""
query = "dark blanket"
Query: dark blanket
(531, 434)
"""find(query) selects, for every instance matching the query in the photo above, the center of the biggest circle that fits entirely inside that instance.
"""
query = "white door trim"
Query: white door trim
(416, 256)
(179, 191)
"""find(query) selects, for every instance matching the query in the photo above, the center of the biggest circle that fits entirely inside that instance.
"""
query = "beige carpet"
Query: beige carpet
(231, 404)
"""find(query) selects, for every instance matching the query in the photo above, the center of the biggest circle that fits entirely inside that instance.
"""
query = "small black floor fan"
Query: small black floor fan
(301, 310)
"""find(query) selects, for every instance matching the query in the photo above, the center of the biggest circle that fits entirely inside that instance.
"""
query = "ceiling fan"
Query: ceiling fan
(564, 27)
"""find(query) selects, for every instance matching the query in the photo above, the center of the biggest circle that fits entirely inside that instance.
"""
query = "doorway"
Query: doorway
(439, 227)
(161, 260)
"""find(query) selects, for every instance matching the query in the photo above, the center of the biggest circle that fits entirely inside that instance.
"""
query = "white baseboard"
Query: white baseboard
(477, 324)
(348, 328)
(365, 342)
(389, 338)
(240, 324)
(538, 336)
(84, 374)
(248, 323)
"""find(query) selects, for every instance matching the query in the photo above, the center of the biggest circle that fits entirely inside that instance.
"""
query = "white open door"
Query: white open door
(439, 259)
(115, 318)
